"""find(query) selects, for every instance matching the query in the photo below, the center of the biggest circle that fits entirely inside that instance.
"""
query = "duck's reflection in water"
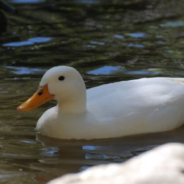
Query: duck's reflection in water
(70, 156)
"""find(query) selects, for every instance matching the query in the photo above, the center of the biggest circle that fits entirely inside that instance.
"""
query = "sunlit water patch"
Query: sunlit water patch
(25, 70)
(138, 35)
(30, 41)
(176, 23)
(118, 36)
(106, 70)
(133, 45)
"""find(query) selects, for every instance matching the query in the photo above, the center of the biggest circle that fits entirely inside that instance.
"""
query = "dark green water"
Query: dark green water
(106, 41)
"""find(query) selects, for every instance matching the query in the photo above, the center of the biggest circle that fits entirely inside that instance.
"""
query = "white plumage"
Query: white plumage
(111, 110)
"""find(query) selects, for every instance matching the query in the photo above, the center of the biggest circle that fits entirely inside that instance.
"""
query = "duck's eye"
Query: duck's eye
(61, 78)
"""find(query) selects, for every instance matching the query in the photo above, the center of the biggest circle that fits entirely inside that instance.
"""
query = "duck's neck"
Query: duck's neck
(75, 105)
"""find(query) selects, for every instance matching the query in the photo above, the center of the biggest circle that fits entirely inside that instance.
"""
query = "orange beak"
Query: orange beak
(39, 98)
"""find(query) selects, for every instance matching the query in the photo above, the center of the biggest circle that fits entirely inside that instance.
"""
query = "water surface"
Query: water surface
(106, 41)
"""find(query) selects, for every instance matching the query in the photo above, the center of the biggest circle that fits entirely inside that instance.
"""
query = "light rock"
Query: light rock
(162, 165)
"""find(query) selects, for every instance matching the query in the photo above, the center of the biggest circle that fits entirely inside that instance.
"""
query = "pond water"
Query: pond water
(106, 41)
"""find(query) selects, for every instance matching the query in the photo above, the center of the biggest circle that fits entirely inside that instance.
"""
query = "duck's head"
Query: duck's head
(61, 83)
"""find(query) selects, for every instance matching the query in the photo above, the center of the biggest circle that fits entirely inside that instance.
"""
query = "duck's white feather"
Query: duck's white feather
(120, 109)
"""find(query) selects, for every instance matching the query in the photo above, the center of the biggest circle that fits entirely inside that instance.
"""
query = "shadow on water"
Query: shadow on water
(106, 41)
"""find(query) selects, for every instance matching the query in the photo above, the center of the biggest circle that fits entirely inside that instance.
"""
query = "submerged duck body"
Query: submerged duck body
(107, 111)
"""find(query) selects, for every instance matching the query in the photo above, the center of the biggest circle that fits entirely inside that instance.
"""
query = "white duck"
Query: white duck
(107, 111)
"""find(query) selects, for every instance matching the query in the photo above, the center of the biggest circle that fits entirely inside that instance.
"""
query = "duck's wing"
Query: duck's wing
(153, 103)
